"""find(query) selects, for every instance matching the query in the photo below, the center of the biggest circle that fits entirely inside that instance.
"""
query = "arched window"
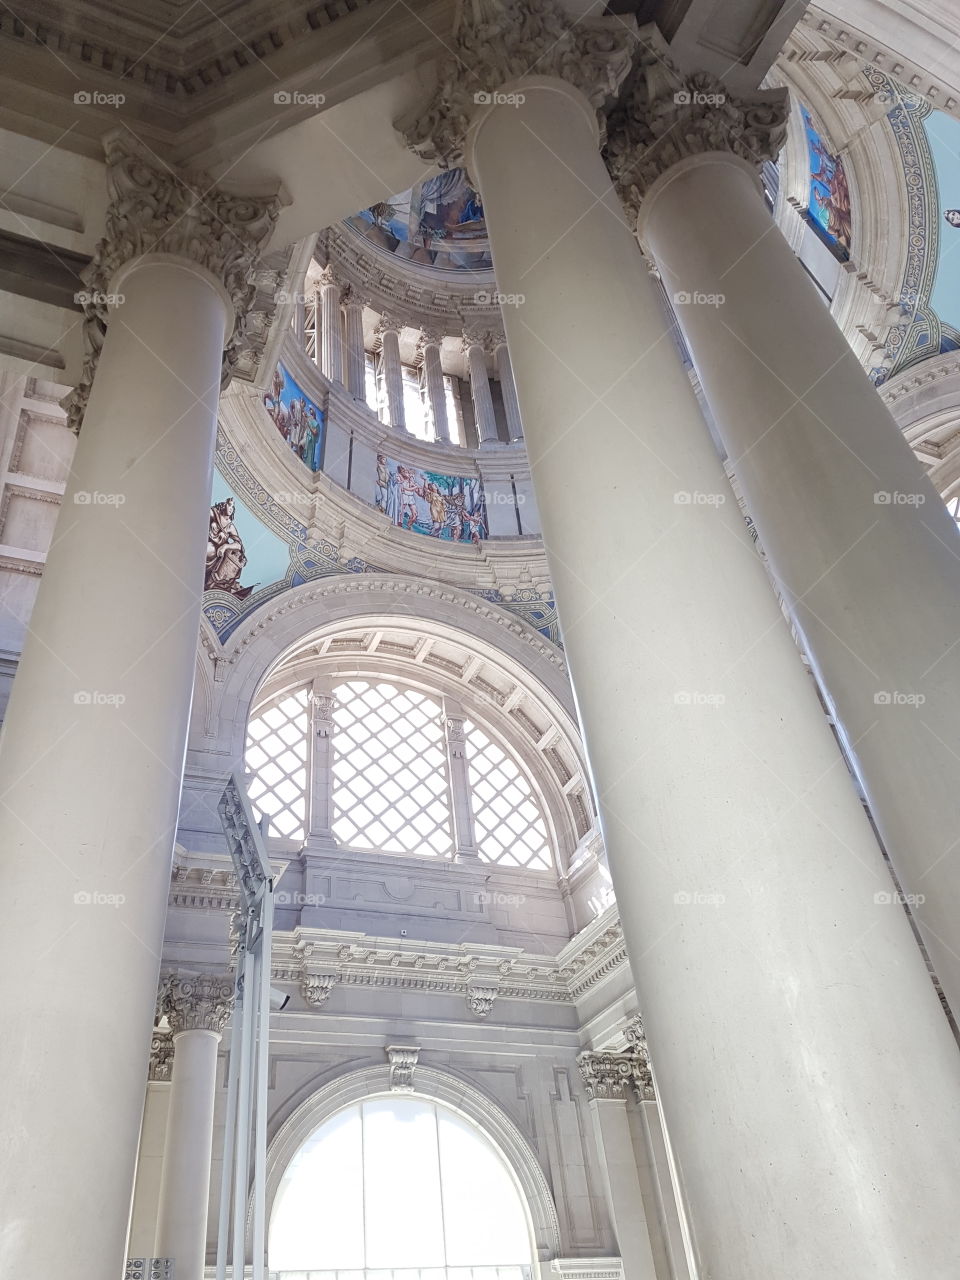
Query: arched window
(399, 1188)
(392, 769)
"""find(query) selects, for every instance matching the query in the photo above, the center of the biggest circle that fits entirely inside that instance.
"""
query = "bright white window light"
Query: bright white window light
(277, 755)
(382, 1188)
(506, 816)
(390, 785)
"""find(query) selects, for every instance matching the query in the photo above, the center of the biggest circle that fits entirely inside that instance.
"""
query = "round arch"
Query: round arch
(449, 1091)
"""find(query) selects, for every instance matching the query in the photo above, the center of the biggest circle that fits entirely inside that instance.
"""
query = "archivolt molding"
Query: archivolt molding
(448, 1090)
(925, 401)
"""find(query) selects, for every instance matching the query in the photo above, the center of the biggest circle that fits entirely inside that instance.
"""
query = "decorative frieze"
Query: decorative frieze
(155, 210)
(498, 43)
(403, 1061)
(200, 1002)
(666, 114)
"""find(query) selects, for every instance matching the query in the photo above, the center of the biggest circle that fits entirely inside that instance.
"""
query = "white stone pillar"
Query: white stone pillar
(429, 349)
(331, 326)
(388, 330)
(355, 361)
(475, 349)
(867, 557)
(607, 1078)
(197, 1008)
(93, 743)
(320, 763)
(508, 389)
(463, 825)
(744, 866)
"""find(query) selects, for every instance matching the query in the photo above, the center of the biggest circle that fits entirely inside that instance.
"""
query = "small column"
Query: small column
(606, 1078)
(429, 352)
(866, 555)
(475, 347)
(388, 331)
(508, 389)
(355, 361)
(93, 744)
(745, 869)
(320, 763)
(331, 326)
(197, 1008)
(464, 832)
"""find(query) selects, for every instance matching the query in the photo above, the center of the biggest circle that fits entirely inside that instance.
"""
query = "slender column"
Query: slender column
(606, 1078)
(508, 389)
(388, 330)
(197, 1008)
(331, 326)
(866, 554)
(94, 739)
(475, 348)
(429, 349)
(465, 834)
(321, 761)
(355, 371)
(744, 866)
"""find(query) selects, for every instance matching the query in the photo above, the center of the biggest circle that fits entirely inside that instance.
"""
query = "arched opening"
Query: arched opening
(397, 1187)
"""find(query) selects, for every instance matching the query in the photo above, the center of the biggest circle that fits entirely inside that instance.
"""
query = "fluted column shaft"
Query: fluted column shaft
(742, 860)
(93, 744)
(331, 327)
(433, 377)
(197, 1008)
(508, 388)
(389, 333)
(355, 362)
(480, 391)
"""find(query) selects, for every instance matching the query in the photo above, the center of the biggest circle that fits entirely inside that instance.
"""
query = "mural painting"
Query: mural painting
(243, 555)
(438, 223)
(449, 507)
(296, 417)
(828, 210)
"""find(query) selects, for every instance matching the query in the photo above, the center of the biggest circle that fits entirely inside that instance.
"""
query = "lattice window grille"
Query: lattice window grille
(508, 822)
(276, 754)
(391, 787)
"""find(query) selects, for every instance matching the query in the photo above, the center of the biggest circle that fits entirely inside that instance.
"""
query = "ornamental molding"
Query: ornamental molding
(196, 1002)
(403, 1062)
(480, 996)
(497, 43)
(666, 114)
(161, 1056)
(606, 1076)
(154, 209)
(316, 987)
(486, 339)
(148, 1269)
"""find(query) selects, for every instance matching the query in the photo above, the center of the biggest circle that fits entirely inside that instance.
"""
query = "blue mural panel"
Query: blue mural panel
(298, 419)
(449, 507)
(828, 204)
(438, 223)
(243, 555)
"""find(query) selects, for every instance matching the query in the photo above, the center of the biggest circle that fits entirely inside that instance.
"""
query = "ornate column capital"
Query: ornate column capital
(161, 1055)
(155, 209)
(330, 276)
(607, 1076)
(352, 297)
(403, 1062)
(201, 1002)
(389, 324)
(498, 42)
(429, 337)
(487, 339)
(666, 114)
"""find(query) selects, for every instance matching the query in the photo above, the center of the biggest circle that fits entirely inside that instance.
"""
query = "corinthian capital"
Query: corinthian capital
(197, 1003)
(666, 114)
(155, 209)
(498, 42)
(607, 1076)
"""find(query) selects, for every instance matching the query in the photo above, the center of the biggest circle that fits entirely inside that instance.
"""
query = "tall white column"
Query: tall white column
(197, 1008)
(508, 389)
(320, 762)
(355, 367)
(331, 326)
(388, 330)
(429, 349)
(94, 738)
(866, 554)
(475, 348)
(463, 825)
(744, 866)
(607, 1078)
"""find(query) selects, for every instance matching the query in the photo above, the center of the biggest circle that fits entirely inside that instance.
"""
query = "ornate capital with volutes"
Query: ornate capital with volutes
(156, 209)
(498, 42)
(389, 324)
(607, 1076)
(666, 114)
(200, 1002)
(403, 1062)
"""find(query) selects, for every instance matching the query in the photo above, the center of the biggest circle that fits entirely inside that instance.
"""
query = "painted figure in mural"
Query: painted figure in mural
(225, 554)
(829, 193)
(438, 508)
(952, 216)
(409, 492)
(311, 439)
(450, 208)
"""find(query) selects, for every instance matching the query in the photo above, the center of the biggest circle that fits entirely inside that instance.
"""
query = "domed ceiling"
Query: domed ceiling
(437, 224)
